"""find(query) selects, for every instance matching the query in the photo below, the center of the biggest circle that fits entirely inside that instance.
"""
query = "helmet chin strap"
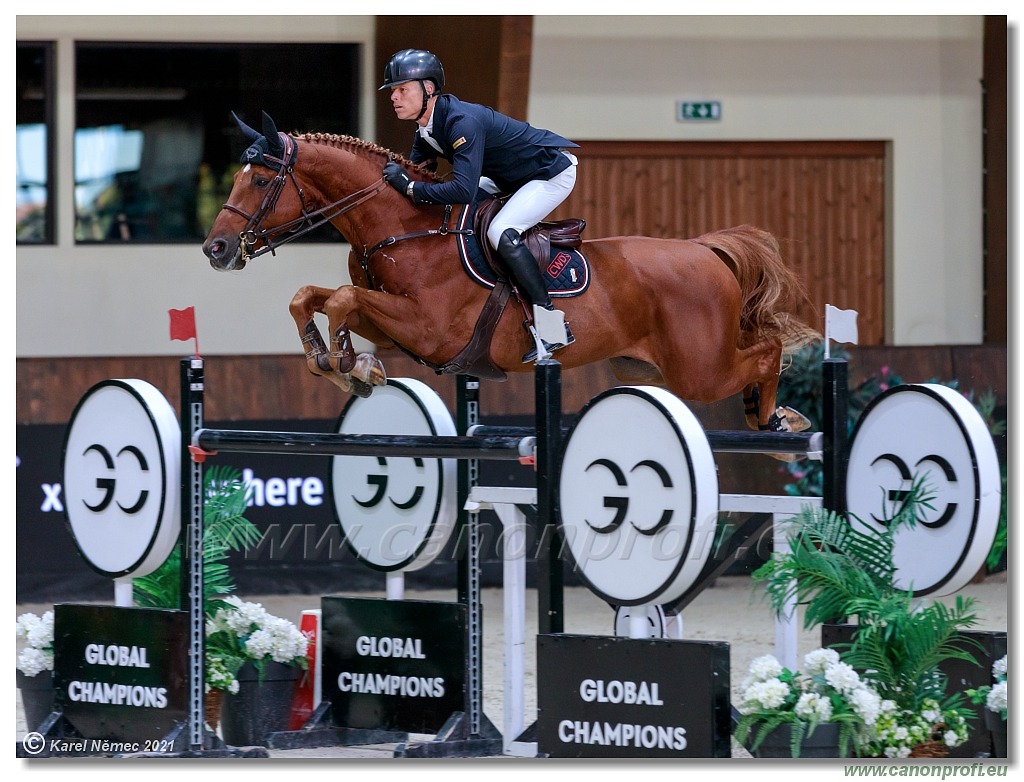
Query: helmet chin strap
(426, 99)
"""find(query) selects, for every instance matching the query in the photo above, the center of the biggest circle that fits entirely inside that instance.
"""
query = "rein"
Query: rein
(444, 230)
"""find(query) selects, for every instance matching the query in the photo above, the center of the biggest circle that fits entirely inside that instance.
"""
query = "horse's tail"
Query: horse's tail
(770, 289)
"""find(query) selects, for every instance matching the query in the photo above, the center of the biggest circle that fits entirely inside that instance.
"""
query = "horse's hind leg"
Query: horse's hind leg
(752, 405)
(760, 396)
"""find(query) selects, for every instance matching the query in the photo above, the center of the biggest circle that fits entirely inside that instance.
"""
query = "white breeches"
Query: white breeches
(531, 203)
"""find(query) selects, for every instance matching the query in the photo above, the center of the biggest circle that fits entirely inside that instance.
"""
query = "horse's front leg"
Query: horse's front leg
(308, 301)
(395, 318)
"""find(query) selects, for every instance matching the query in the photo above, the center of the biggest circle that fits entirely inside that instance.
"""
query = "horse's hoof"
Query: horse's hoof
(369, 369)
(791, 420)
(344, 382)
(361, 389)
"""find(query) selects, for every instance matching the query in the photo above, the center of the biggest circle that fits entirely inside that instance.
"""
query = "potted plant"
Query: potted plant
(825, 710)
(256, 659)
(839, 568)
(994, 698)
(35, 666)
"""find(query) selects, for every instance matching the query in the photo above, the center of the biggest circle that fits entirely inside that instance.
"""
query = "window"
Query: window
(155, 145)
(34, 143)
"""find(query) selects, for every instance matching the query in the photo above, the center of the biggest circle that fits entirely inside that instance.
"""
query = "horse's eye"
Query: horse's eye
(260, 181)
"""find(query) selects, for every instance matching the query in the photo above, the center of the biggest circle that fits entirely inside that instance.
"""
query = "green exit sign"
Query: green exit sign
(699, 111)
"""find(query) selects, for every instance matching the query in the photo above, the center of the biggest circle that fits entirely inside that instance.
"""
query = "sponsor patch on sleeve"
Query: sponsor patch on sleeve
(459, 142)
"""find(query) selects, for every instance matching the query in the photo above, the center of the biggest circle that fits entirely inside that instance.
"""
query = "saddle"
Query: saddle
(539, 240)
(566, 267)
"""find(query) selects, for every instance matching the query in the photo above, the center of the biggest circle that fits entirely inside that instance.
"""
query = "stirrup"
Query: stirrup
(549, 348)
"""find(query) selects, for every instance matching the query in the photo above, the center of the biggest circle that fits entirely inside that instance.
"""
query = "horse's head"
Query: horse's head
(277, 198)
(260, 207)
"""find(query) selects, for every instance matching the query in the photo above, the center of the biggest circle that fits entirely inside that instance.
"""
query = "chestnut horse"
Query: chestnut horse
(705, 317)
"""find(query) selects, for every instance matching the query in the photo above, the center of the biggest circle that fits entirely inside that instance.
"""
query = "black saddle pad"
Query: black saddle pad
(567, 272)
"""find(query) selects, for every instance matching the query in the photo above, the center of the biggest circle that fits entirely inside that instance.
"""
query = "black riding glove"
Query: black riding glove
(398, 178)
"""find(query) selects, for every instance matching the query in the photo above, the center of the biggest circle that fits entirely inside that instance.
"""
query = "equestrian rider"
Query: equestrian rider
(493, 152)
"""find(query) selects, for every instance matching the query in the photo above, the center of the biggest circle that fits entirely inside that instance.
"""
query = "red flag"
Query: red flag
(183, 325)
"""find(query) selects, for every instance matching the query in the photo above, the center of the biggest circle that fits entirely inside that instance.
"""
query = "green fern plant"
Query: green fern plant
(225, 529)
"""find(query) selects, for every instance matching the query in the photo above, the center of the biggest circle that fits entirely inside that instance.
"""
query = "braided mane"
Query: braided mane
(358, 144)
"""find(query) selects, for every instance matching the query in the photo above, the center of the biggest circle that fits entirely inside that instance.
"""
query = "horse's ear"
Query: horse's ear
(274, 143)
(248, 132)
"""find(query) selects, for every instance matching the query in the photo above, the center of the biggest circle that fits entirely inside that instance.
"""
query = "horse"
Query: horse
(706, 317)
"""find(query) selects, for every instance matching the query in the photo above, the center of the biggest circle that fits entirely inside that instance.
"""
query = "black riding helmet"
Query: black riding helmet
(414, 65)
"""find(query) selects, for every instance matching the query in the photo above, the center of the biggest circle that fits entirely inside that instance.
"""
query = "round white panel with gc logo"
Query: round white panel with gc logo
(638, 496)
(121, 468)
(931, 433)
(396, 512)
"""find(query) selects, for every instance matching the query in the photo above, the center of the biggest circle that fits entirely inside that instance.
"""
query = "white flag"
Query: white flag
(840, 325)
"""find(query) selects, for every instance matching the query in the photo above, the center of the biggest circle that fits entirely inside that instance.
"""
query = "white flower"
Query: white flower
(279, 639)
(256, 634)
(818, 660)
(996, 699)
(769, 694)
(999, 668)
(37, 654)
(843, 677)
(813, 706)
(241, 617)
(765, 667)
(37, 631)
(950, 738)
(867, 703)
(34, 661)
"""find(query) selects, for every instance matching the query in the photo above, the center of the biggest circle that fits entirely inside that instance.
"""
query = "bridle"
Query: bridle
(309, 220)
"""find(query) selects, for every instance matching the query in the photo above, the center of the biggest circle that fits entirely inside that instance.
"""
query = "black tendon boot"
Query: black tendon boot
(549, 328)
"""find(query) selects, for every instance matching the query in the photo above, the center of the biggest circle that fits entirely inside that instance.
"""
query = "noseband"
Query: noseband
(300, 226)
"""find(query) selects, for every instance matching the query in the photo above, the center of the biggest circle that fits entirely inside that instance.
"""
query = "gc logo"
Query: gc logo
(380, 481)
(108, 485)
(897, 497)
(395, 512)
(638, 496)
(121, 477)
(621, 504)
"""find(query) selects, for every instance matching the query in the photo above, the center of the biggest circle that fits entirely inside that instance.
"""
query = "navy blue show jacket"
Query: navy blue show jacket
(479, 141)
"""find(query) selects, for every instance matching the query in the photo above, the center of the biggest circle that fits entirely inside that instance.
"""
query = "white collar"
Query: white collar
(425, 132)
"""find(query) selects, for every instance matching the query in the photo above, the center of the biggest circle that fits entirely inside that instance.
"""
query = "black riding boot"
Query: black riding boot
(524, 269)
(528, 277)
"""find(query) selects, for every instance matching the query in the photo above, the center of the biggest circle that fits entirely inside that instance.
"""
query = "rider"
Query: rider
(493, 152)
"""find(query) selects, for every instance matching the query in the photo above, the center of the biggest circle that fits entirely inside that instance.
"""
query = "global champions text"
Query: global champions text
(113, 693)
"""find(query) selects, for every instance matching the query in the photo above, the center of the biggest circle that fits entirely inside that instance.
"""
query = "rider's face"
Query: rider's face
(407, 100)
